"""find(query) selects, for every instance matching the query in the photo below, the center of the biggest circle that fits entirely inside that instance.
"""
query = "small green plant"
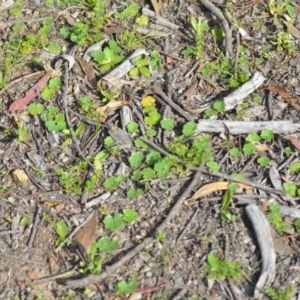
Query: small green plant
(35, 108)
(282, 41)
(225, 214)
(199, 27)
(72, 177)
(275, 218)
(290, 188)
(152, 115)
(49, 91)
(282, 293)
(109, 57)
(221, 269)
(161, 235)
(23, 135)
(61, 231)
(108, 95)
(54, 119)
(130, 11)
(278, 8)
(141, 67)
(112, 182)
(88, 108)
(126, 288)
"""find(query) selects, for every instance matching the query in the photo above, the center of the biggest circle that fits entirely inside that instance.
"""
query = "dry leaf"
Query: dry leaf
(30, 94)
(31, 274)
(89, 72)
(113, 29)
(156, 7)
(295, 142)
(280, 245)
(110, 106)
(262, 147)
(169, 60)
(20, 176)
(215, 187)
(281, 91)
(188, 94)
(86, 235)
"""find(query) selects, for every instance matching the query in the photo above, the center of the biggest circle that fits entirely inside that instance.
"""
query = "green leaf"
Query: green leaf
(136, 175)
(213, 166)
(113, 222)
(132, 126)
(111, 183)
(267, 134)
(297, 225)
(263, 161)
(153, 157)
(295, 167)
(162, 169)
(234, 152)
(253, 137)
(133, 193)
(25, 220)
(54, 48)
(136, 159)
(35, 108)
(109, 141)
(126, 288)
(65, 31)
(167, 124)
(218, 33)
(140, 144)
(290, 188)
(145, 71)
(151, 132)
(105, 244)
(219, 106)
(249, 148)
(213, 260)
(61, 230)
(189, 129)
(134, 72)
(148, 173)
(130, 215)
(48, 93)
(54, 83)
(130, 11)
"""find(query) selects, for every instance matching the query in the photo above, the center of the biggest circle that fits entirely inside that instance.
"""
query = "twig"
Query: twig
(64, 100)
(35, 226)
(228, 31)
(90, 279)
(74, 231)
(237, 54)
(188, 225)
(217, 174)
(53, 277)
(18, 257)
(169, 101)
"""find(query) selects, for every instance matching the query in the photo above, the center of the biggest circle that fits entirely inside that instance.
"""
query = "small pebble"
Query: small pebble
(149, 274)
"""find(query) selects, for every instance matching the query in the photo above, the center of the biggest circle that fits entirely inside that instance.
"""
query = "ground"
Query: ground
(99, 173)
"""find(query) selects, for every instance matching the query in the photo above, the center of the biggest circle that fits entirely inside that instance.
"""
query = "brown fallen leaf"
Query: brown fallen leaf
(30, 94)
(89, 72)
(188, 94)
(113, 29)
(295, 142)
(214, 187)
(281, 91)
(110, 106)
(86, 235)
(156, 7)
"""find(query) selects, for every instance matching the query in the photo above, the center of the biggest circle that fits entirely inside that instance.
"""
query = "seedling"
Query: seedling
(290, 188)
(278, 8)
(109, 57)
(226, 201)
(49, 91)
(141, 67)
(221, 269)
(126, 288)
(161, 235)
(108, 95)
(282, 293)
(112, 182)
(54, 119)
(275, 218)
(199, 27)
(282, 41)
(61, 231)
(23, 135)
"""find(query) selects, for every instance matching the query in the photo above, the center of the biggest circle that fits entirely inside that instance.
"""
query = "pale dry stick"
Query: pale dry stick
(90, 279)
(64, 100)
(35, 226)
(217, 174)
(19, 258)
(169, 101)
(74, 231)
(228, 31)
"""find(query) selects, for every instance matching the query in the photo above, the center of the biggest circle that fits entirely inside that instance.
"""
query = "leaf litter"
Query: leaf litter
(127, 251)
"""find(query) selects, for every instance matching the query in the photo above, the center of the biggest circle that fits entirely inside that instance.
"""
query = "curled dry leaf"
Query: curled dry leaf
(86, 235)
(70, 59)
(30, 94)
(89, 72)
(281, 91)
(188, 94)
(20, 176)
(110, 106)
(295, 142)
(214, 187)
